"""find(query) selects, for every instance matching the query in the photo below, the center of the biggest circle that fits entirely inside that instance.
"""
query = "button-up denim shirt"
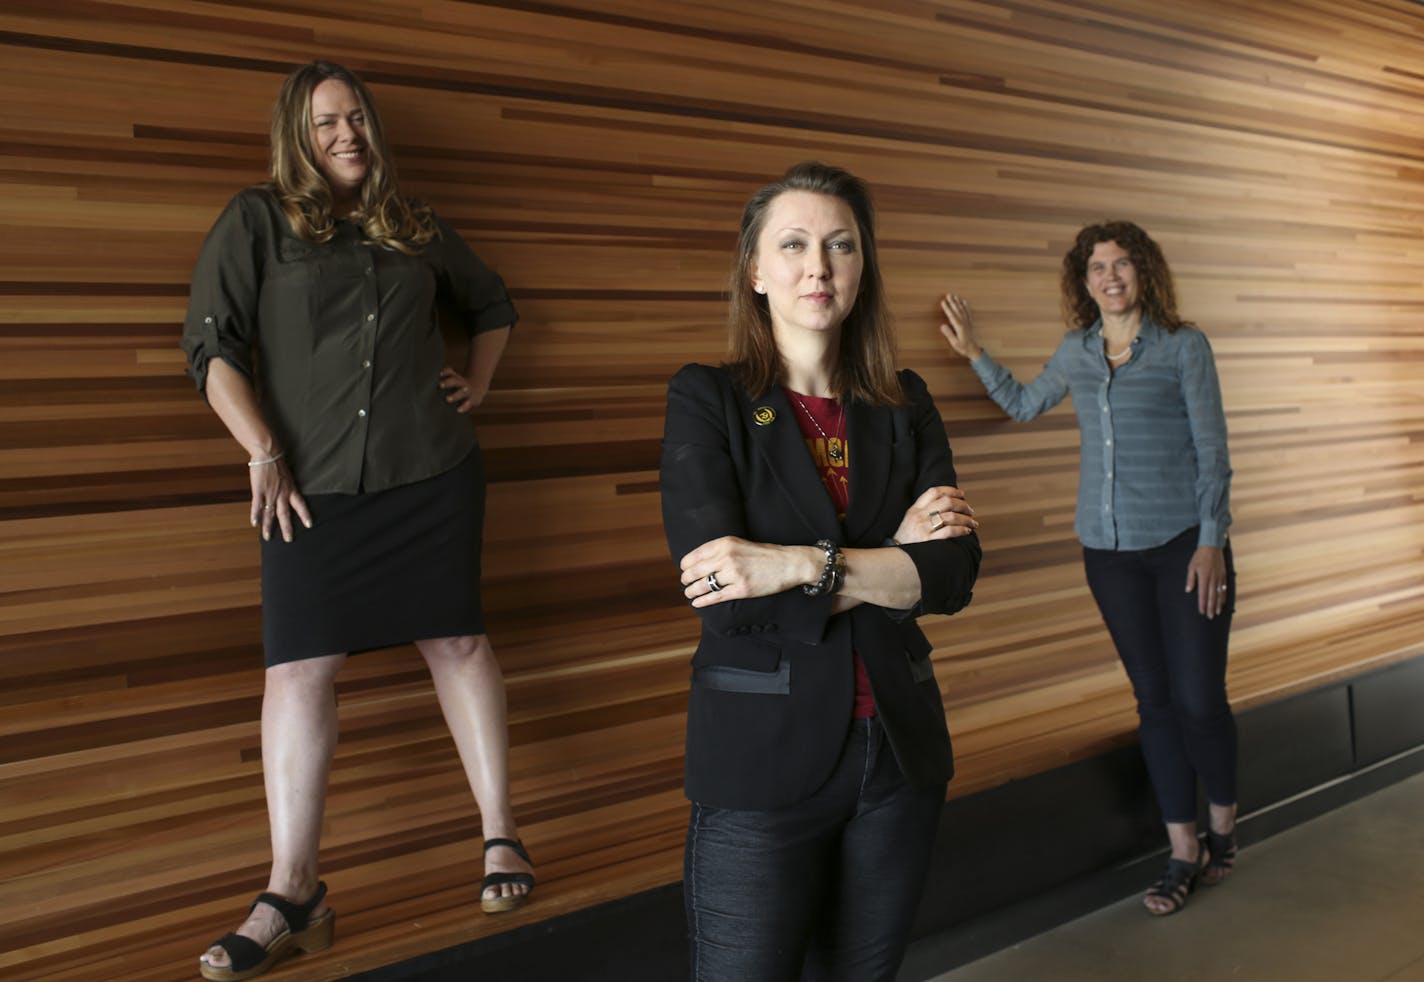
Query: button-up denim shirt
(1153, 460)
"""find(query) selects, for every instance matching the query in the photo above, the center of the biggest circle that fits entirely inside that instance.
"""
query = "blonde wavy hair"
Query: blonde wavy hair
(386, 216)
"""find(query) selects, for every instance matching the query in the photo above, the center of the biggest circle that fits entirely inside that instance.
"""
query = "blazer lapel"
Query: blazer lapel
(778, 436)
(869, 429)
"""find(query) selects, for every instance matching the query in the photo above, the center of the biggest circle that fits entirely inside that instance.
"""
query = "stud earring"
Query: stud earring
(759, 288)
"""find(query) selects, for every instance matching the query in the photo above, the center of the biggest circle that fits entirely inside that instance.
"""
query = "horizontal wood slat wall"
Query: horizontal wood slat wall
(597, 153)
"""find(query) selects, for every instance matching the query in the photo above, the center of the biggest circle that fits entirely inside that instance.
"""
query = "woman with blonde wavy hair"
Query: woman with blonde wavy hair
(312, 332)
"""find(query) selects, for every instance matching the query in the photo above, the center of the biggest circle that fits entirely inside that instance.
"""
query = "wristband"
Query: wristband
(832, 574)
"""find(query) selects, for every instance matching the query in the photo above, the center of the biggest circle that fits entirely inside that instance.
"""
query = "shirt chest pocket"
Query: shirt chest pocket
(297, 261)
(325, 267)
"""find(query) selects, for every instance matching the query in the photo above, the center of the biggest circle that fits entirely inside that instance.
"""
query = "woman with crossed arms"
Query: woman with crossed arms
(808, 497)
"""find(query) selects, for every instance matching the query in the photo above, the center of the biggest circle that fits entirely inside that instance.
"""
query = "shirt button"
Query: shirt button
(1109, 472)
(370, 270)
(366, 363)
(1108, 442)
(207, 320)
(362, 412)
(370, 317)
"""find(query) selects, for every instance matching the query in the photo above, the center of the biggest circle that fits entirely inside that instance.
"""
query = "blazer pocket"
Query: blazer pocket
(727, 678)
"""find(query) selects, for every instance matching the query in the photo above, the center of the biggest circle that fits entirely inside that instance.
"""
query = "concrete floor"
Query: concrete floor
(1337, 899)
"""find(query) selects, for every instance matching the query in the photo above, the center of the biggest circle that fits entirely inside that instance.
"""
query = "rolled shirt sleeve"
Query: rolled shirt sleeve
(222, 307)
(468, 285)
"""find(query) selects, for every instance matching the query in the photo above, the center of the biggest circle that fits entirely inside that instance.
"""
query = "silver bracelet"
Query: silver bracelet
(270, 460)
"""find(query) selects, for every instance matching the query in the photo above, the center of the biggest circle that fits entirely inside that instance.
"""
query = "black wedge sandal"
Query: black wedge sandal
(1221, 857)
(501, 903)
(304, 933)
(1175, 886)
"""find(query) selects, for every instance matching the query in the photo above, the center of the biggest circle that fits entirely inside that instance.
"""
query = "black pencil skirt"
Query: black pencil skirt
(378, 569)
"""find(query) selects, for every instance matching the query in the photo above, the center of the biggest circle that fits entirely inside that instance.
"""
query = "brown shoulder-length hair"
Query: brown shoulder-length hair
(1159, 296)
(865, 367)
(385, 216)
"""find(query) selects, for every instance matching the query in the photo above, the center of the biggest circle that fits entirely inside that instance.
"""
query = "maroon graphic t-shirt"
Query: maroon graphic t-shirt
(823, 426)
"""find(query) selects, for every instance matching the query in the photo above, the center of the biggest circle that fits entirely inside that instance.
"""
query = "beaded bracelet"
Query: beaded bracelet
(270, 460)
(832, 574)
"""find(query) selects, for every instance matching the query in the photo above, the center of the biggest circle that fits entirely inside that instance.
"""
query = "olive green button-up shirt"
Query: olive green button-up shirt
(342, 341)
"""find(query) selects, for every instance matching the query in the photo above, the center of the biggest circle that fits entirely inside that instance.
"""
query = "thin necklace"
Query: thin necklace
(833, 450)
(1120, 355)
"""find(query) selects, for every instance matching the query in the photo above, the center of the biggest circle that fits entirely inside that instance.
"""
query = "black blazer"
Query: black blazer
(772, 684)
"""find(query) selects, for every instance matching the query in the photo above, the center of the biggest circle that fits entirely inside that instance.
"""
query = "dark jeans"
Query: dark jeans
(825, 889)
(1176, 659)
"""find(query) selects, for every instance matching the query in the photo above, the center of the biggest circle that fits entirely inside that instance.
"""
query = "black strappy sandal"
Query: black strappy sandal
(304, 933)
(1175, 886)
(500, 903)
(1221, 857)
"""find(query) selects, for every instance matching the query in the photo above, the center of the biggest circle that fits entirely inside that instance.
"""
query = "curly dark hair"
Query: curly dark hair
(866, 366)
(1159, 296)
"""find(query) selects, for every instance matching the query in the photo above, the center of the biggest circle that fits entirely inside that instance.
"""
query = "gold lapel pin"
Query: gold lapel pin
(764, 415)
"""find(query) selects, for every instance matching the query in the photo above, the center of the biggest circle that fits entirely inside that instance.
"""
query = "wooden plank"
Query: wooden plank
(597, 153)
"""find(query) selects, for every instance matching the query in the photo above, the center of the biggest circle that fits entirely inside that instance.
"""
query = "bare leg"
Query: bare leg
(1223, 818)
(471, 692)
(1183, 837)
(298, 739)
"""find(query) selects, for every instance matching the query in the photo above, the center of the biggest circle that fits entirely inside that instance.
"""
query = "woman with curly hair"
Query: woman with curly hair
(312, 332)
(1153, 512)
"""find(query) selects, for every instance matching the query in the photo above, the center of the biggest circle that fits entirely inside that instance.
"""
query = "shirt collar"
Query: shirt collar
(1149, 331)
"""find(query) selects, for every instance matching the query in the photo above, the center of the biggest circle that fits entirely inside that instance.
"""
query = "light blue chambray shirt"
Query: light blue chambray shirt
(1153, 460)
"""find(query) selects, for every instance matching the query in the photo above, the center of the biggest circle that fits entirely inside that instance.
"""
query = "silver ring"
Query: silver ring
(938, 522)
(1221, 589)
(712, 583)
(267, 508)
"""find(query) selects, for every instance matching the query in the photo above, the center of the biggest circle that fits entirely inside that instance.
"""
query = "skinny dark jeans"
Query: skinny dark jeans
(823, 890)
(1176, 660)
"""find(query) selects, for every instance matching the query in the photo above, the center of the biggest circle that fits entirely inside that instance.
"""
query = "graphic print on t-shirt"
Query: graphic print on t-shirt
(822, 423)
